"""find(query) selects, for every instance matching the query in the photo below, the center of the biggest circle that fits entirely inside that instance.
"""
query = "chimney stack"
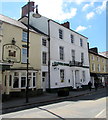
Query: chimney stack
(66, 24)
(25, 8)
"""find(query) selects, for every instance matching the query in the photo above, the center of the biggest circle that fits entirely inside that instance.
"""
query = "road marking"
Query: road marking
(99, 113)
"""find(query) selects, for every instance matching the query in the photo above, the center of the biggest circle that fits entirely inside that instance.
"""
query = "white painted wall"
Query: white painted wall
(55, 42)
(40, 23)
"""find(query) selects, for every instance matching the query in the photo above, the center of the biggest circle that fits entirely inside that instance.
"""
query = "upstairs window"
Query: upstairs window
(72, 38)
(93, 67)
(82, 57)
(73, 55)
(60, 34)
(98, 67)
(81, 42)
(44, 42)
(92, 57)
(61, 52)
(98, 59)
(24, 36)
(44, 58)
(24, 55)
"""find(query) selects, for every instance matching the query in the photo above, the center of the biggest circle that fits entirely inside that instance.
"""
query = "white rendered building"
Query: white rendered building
(68, 64)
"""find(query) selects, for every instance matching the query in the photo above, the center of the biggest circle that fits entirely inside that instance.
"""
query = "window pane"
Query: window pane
(82, 57)
(23, 74)
(10, 80)
(16, 82)
(61, 50)
(60, 34)
(44, 42)
(34, 81)
(24, 55)
(23, 81)
(16, 73)
(44, 57)
(34, 74)
(62, 75)
(73, 55)
(43, 74)
(83, 73)
(24, 36)
(81, 42)
(72, 38)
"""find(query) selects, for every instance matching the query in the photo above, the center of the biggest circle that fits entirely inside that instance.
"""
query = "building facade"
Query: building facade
(14, 53)
(68, 63)
(98, 67)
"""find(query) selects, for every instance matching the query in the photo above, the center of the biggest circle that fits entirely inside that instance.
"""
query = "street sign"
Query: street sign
(11, 53)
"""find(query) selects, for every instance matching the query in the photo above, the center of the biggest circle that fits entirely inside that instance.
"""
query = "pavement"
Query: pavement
(46, 98)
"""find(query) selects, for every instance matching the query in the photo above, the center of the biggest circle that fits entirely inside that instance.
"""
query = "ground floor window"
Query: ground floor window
(16, 80)
(62, 75)
(23, 81)
(83, 75)
(20, 79)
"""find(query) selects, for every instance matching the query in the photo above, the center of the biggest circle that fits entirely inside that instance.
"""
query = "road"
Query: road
(88, 106)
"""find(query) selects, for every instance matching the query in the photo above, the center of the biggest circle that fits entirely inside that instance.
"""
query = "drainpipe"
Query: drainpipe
(49, 54)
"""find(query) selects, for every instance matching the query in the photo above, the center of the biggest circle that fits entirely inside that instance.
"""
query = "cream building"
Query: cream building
(98, 67)
(14, 52)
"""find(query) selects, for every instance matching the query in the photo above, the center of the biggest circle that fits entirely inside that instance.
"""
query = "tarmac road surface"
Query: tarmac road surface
(82, 107)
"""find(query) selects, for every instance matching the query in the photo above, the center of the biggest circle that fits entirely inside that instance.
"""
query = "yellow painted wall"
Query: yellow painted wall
(96, 62)
(10, 32)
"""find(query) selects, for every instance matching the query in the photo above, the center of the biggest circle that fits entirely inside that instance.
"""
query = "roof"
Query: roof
(67, 28)
(12, 21)
(18, 24)
(60, 25)
(92, 52)
(31, 27)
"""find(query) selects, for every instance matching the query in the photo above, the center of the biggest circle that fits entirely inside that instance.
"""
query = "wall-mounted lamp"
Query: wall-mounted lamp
(13, 41)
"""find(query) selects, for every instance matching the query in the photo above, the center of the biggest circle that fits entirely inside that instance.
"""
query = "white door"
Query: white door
(77, 78)
(73, 80)
(44, 78)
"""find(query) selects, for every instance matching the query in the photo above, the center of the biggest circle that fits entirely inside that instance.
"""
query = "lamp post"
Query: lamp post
(36, 15)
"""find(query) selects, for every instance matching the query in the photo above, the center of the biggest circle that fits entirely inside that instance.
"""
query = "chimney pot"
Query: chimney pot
(66, 24)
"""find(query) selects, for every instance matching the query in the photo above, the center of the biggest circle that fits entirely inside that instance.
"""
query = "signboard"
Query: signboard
(11, 53)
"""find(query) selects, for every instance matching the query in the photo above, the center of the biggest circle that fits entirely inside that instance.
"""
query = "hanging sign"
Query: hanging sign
(11, 53)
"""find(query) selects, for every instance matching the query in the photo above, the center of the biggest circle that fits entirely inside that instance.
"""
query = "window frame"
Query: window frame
(24, 56)
(62, 76)
(60, 34)
(24, 36)
(31, 84)
(44, 42)
(81, 42)
(72, 38)
(73, 54)
(61, 52)
(82, 57)
(44, 58)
